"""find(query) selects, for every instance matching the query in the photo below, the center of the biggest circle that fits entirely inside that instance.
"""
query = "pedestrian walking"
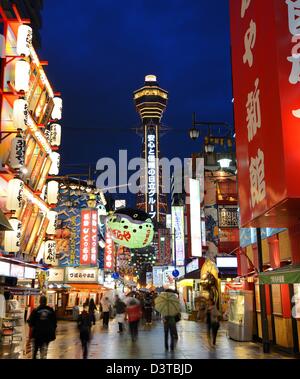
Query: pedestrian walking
(92, 309)
(134, 314)
(170, 329)
(120, 307)
(42, 322)
(106, 305)
(213, 321)
(148, 306)
(84, 325)
(168, 305)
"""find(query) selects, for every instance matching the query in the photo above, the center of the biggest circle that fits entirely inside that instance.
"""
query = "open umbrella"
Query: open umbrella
(167, 304)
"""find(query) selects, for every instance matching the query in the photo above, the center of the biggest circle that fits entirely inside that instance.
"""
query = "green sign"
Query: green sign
(288, 275)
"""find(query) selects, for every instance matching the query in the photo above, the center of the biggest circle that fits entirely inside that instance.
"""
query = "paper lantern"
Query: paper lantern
(57, 110)
(54, 169)
(52, 217)
(52, 192)
(12, 238)
(131, 228)
(15, 192)
(50, 253)
(55, 135)
(24, 41)
(20, 114)
(17, 152)
(22, 75)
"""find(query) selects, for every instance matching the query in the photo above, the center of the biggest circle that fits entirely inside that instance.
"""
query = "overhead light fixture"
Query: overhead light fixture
(194, 133)
(209, 148)
(224, 162)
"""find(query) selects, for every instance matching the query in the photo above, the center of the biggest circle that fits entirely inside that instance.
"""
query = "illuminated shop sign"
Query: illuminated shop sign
(195, 214)
(84, 275)
(17, 271)
(192, 266)
(56, 275)
(89, 237)
(178, 229)
(4, 268)
(152, 174)
(109, 251)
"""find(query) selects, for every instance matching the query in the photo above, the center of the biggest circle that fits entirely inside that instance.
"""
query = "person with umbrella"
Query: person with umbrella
(167, 304)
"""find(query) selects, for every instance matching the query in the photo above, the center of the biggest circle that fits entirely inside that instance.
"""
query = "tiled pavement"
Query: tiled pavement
(108, 344)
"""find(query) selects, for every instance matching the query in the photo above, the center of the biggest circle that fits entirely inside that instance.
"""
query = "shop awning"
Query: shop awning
(4, 223)
(88, 287)
(285, 275)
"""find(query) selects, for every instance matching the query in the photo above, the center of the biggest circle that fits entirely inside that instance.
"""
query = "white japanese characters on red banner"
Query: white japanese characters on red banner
(89, 237)
(152, 174)
(109, 252)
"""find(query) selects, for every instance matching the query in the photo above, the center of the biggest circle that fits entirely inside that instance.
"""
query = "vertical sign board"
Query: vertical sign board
(152, 172)
(89, 237)
(109, 252)
(178, 239)
(266, 85)
(195, 217)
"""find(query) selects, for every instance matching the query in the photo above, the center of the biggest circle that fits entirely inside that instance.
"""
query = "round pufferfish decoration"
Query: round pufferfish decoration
(131, 228)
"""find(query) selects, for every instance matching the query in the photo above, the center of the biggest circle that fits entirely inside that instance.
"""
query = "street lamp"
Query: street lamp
(224, 162)
(194, 133)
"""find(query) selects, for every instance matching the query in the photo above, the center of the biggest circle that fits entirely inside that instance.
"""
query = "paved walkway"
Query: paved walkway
(108, 344)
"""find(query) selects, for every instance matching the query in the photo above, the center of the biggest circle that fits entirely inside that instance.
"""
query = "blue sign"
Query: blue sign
(115, 275)
(175, 273)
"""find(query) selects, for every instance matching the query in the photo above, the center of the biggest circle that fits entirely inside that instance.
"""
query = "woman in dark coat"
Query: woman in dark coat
(84, 325)
(92, 309)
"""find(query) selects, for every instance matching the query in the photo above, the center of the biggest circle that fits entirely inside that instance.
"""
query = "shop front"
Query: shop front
(83, 285)
(18, 297)
(283, 306)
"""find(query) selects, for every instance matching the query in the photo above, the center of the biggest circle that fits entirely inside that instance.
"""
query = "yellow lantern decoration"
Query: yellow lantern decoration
(24, 41)
(52, 192)
(22, 75)
(12, 238)
(54, 169)
(50, 253)
(55, 135)
(15, 192)
(52, 217)
(17, 152)
(57, 110)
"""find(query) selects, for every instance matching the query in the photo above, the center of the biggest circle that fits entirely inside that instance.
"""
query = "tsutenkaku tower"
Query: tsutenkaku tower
(151, 102)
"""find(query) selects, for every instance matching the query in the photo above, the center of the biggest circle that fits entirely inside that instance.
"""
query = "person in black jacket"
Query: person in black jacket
(92, 309)
(84, 325)
(120, 307)
(43, 323)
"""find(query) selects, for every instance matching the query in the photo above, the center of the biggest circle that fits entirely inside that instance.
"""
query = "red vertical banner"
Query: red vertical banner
(87, 231)
(94, 237)
(266, 84)
(109, 252)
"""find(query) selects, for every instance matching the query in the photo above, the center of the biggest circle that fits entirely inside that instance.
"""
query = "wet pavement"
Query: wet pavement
(109, 344)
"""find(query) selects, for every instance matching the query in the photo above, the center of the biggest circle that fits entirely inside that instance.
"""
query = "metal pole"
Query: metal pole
(262, 294)
(175, 258)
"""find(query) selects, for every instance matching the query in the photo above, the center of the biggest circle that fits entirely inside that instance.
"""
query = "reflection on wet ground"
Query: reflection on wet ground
(109, 344)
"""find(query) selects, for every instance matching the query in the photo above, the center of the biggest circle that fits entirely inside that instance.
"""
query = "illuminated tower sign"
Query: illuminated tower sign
(151, 101)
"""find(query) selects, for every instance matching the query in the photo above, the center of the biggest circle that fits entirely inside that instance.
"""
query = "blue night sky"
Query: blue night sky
(99, 52)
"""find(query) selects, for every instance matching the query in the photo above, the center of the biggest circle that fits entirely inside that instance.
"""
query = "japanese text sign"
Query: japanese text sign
(266, 82)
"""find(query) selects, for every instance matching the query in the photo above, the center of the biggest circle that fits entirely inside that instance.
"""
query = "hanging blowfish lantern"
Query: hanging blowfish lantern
(131, 228)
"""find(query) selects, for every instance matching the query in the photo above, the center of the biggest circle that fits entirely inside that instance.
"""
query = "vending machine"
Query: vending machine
(240, 320)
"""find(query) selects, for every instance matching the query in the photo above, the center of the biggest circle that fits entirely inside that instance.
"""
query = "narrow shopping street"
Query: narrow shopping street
(109, 344)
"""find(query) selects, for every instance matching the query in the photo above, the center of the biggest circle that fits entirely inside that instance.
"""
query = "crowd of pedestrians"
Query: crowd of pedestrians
(132, 308)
